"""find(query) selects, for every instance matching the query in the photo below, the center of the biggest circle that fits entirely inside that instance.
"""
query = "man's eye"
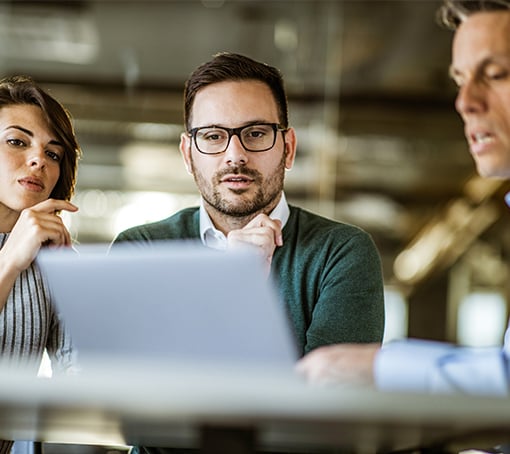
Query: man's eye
(213, 136)
(497, 75)
(257, 133)
(495, 72)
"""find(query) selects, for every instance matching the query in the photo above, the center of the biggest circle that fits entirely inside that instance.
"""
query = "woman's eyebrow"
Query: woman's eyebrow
(21, 128)
(31, 134)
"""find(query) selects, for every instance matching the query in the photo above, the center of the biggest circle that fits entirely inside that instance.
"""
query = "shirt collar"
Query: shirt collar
(212, 237)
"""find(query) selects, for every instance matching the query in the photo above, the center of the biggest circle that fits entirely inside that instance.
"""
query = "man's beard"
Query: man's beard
(269, 189)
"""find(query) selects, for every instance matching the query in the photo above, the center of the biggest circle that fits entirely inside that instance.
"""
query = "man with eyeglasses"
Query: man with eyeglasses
(238, 145)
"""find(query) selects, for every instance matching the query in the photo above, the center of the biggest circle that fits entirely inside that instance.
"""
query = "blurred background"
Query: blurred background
(380, 144)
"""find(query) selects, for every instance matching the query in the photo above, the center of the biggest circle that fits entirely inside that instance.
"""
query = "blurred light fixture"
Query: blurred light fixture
(448, 234)
(285, 35)
(39, 32)
(479, 188)
(444, 239)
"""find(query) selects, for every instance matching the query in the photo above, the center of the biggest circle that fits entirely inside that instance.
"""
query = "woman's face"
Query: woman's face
(30, 157)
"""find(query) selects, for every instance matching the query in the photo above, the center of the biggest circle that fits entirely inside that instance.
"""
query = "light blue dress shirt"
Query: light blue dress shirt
(435, 367)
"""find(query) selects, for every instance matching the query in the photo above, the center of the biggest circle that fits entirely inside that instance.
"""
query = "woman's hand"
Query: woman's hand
(36, 226)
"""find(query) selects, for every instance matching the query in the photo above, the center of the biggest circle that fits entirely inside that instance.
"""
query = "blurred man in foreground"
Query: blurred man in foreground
(481, 69)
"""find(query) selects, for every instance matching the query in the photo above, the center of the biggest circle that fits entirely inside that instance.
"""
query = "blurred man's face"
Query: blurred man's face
(481, 69)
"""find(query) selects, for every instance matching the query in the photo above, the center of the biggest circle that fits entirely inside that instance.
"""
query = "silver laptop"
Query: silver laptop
(171, 302)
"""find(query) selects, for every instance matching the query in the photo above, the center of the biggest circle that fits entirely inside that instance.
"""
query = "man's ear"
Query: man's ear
(290, 147)
(185, 148)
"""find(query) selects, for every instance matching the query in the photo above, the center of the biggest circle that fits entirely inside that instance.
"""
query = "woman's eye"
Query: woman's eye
(54, 156)
(16, 142)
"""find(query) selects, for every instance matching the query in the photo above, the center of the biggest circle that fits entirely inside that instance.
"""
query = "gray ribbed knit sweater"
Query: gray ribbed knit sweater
(29, 325)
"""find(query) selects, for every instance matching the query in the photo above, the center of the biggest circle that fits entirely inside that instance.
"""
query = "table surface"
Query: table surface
(169, 407)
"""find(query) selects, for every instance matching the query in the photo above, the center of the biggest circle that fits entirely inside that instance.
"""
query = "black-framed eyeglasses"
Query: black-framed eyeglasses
(255, 137)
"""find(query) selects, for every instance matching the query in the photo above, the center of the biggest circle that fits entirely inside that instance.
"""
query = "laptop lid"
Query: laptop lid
(169, 302)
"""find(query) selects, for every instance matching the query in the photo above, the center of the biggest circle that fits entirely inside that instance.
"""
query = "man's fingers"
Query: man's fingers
(264, 221)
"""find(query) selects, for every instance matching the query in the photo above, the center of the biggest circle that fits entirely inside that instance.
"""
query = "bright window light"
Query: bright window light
(145, 207)
(396, 315)
(482, 319)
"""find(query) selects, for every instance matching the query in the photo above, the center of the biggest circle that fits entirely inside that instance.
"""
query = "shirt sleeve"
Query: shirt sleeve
(434, 367)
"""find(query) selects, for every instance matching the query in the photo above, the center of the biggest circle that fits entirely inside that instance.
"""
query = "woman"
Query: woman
(38, 163)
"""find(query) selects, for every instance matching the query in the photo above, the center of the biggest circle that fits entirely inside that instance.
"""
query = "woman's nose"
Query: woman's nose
(37, 158)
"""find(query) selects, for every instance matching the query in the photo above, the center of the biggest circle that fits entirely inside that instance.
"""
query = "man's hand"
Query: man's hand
(340, 363)
(262, 232)
(36, 226)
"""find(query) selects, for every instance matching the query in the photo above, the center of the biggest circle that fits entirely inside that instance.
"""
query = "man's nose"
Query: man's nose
(470, 98)
(235, 152)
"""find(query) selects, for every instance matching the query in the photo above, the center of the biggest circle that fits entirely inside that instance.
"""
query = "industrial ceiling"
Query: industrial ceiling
(380, 144)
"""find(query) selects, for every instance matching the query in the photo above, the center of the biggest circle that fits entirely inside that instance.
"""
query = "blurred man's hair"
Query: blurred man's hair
(453, 12)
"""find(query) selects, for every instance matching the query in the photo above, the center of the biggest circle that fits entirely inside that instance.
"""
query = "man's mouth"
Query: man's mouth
(236, 179)
(482, 138)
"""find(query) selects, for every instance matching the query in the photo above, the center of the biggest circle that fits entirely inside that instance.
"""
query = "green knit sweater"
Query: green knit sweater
(328, 274)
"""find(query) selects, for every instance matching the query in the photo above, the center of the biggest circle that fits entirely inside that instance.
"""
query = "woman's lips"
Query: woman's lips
(32, 184)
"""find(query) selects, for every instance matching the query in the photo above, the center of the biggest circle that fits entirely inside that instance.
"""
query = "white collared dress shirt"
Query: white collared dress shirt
(213, 238)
